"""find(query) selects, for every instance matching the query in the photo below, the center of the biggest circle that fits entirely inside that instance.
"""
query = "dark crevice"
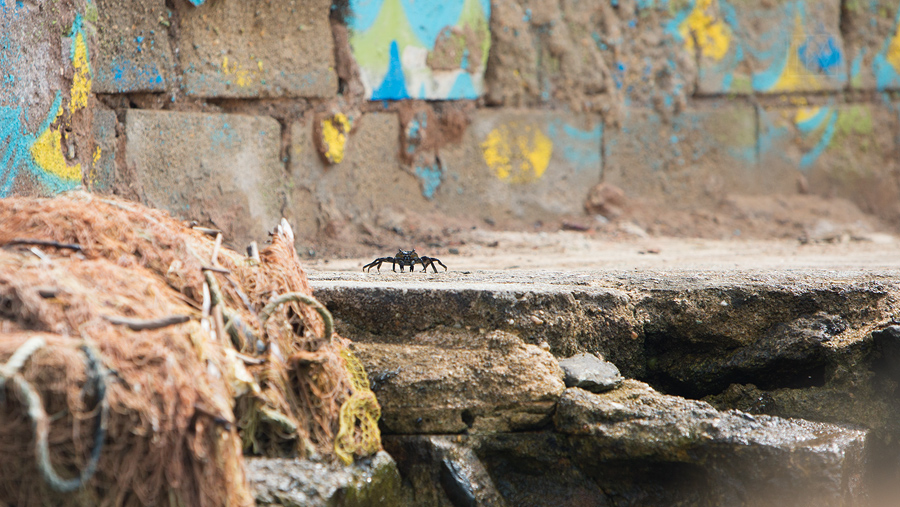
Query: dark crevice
(711, 374)
(468, 418)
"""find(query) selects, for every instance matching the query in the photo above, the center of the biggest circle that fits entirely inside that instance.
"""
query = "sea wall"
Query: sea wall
(232, 113)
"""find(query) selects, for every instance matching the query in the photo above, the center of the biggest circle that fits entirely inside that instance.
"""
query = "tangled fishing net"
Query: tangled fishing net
(140, 360)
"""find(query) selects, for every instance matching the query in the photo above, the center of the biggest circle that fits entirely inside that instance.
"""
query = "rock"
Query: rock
(589, 372)
(605, 199)
(456, 381)
(309, 483)
(443, 470)
(743, 459)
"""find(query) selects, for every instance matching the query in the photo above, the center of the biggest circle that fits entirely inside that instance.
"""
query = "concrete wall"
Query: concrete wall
(234, 112)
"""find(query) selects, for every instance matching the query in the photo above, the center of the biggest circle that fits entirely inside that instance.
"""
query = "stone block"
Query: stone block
(518, 164)
(46, 86)
(102, 175)
(694, 157)
(223, 170)
(233, 48)
(590, 55)
(873, 40)
(814, 462)
(845, 150)
(423, 50)
(773, 47)
(133, 50)
(428, 387)
(367, 183)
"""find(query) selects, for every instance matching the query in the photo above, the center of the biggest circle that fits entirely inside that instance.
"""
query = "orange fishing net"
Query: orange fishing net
(178, 354)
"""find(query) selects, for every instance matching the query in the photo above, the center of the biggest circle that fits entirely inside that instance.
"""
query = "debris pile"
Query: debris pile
(139, 359)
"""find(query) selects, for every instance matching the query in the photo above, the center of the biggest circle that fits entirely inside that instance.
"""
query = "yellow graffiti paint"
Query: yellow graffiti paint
(805, 114)
(713, 36)
(517, 153)
(81, 82)
(795, 75)
(48, 155)
(893, 51)
(334, 137)
(242, 76)
(96, 156)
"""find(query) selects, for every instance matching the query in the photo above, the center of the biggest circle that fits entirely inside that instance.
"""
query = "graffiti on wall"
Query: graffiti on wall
(521, 151)
(814, 131)
(795, 46)
(876, 62)
(40, 154)
(423, 50)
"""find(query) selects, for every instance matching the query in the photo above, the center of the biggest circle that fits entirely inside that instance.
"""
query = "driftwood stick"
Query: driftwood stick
(215, 269)
(215, 252)
(43, 242)
(148, 324)
(205, 230)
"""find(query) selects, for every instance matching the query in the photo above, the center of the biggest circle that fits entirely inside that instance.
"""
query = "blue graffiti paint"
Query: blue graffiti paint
(463, 88)
(197, 2)
(427, 19)
(221, 137)
(464, 63)
(431, 179)
(363, 14)
(856, 66)
(817, 120)
(579, 147)
(486, 7)
(527, 17)
(393, 87)
(126, 75)
(885, 73)
(415, 130)
(809, 158)
(823, 56)
(16, 144)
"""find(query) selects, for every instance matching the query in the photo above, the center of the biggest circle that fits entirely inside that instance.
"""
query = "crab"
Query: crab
(406, 258)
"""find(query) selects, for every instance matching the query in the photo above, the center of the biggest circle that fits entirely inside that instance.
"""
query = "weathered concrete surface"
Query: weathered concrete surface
(102, 175)
(845, 150)
(367, 187)
(45, 121)
(134, 53)
(223, 170)
(309, 483)
(588, 55)
(448, 381)
(780, 46)
(699, 156)
(748, 460)
(521, 164)
(871, 27)
(805, 334)
(232, 48)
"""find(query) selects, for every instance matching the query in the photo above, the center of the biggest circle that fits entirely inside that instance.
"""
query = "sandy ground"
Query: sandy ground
(741, 233)
(566, 250)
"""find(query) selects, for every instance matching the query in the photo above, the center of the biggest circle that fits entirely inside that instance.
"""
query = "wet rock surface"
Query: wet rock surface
(309, 483)
(591, 373)
(449, 381)
(736, 451)
(796, 369)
